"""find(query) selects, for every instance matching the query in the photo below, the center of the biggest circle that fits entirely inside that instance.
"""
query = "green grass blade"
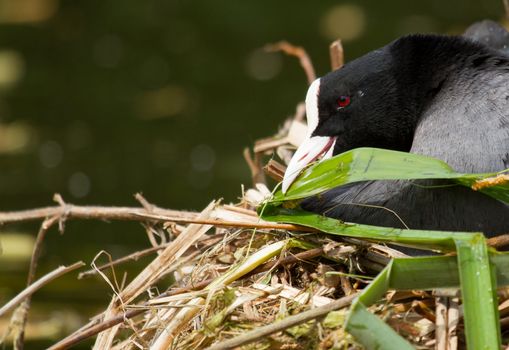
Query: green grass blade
(501, 262)
(377, 288)
(372, 332)
(364, 164)
(425, 273)
(256, 259)
(478, 290)
(481, 313)
(478, 273)
(433, 272)
(367, 328)
(475, 273)
(474, 269)
(436, 240)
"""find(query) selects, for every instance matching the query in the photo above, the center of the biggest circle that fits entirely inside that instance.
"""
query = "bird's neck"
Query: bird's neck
(424, 64)
(468, 127)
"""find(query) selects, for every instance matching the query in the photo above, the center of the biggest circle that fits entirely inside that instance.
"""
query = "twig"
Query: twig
(224, 223)
(169, 254)
(255, 165)
(298, 52)
(240, 210)
(261, 332)
(144, 203)
(97, 328)
(87, 212)
(308, 254)
(134, 256)
(499, 241)
(150, 229)
(506, 7)
(23, 312)
(75, 338)
(132, 214)
(94, 329)
(453, 317)
(346, 286)
(153, 272)
(275, 170)
(337, 58)
(45, 226)
(41, 282)
(269, 144)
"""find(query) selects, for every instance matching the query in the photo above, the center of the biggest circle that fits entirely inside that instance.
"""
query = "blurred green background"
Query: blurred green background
(102, 99)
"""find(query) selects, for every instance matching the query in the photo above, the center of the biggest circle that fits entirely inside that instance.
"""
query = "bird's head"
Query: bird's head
(359, 105)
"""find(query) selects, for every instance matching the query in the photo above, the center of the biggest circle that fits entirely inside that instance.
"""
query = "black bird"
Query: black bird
(441, 96)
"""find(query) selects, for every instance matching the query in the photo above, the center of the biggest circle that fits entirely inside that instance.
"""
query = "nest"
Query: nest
(298, 299)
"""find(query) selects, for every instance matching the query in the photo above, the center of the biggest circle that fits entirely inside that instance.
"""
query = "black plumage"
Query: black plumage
(442, 96)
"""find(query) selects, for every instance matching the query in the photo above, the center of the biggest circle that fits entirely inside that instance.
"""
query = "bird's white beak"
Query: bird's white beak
(313, 147)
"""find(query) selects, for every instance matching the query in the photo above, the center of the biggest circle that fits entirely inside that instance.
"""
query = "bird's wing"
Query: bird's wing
(423, 204)
(369, 202)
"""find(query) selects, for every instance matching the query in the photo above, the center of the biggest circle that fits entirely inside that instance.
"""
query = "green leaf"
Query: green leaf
(478, 289)
(477, 277)
(363, 164)
(436, 240)
(473, 269)
(475, 273)
(372, 332)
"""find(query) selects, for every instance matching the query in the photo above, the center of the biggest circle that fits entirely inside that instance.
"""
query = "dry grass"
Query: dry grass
(286, 302)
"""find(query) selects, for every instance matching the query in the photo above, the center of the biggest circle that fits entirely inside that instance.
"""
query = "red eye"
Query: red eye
(343, 101)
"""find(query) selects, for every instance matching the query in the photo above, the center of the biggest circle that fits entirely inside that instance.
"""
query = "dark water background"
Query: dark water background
(102, 99)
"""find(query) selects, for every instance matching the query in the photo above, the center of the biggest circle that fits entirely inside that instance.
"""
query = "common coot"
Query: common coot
(441, 96)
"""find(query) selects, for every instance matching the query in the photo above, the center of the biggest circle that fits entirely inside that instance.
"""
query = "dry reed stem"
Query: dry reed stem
(293, 294)
(93, 329)
(447, 318)
(22, 317)
(255, 166)
(70, 211)
(453, 317)
(35, 286)
(225, 223)
(176, 323)
(298, 52)
(499, 241)
(269, 144)
(346, 286)
(153, 272)
(287, 322)
(275, 170)
(219, 217)
(506, 8)
(337, 56)
(108, 323)
(179, 320)
(131, 257)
